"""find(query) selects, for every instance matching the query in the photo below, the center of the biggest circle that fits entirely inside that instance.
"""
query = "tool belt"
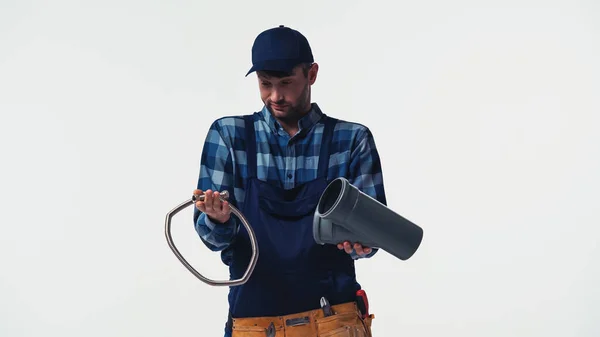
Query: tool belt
(346, 321)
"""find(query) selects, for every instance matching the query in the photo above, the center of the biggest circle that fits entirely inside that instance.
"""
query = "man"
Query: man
(275, 164)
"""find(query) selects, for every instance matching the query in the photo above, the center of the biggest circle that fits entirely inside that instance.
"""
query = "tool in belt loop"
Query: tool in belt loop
(326, 307)
(363, 303)
(271, 330)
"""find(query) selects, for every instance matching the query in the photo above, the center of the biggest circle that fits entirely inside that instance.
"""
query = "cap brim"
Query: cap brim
(274, 65)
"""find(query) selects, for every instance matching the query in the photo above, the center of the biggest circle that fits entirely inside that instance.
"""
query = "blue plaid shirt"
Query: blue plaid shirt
(284, 161)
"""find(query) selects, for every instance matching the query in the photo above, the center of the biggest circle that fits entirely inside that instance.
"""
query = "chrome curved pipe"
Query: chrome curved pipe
(254, 244)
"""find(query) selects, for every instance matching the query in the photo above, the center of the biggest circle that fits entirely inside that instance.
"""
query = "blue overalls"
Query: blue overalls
(292, 272)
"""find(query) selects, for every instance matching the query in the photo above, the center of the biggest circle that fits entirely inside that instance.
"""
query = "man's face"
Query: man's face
(287, 97)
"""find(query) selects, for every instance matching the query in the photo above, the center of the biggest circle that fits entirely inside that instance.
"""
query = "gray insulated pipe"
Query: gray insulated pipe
(345, 213)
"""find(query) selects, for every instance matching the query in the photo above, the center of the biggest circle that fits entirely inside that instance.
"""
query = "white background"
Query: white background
(485, 115)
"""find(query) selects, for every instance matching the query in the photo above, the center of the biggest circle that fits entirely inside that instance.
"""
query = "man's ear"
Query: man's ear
(312, 73)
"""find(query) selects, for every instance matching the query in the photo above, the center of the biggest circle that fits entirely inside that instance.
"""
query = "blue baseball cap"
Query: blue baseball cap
(280, 49)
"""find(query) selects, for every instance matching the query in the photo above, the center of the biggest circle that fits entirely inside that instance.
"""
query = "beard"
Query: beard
(293, 111)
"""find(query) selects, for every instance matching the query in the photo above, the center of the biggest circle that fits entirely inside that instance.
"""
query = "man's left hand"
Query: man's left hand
(358, 248)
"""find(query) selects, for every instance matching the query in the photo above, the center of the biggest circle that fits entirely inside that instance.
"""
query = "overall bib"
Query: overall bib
(293, 272)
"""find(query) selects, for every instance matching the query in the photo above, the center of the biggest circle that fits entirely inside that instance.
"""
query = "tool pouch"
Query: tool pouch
(348, 324)
(258, 330)
(345, 322)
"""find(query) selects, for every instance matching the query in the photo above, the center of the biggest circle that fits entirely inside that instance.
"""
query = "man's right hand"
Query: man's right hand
(212, 206)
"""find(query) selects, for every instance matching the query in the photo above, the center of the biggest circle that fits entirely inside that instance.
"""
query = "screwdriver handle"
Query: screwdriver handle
(363, 302)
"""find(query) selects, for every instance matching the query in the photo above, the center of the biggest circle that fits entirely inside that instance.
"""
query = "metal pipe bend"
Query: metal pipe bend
(254, 244)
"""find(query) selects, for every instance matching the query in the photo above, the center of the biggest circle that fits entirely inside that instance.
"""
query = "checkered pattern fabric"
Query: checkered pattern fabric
(283, 161)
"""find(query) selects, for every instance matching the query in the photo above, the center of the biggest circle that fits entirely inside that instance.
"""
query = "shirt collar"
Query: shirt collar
(309, 120)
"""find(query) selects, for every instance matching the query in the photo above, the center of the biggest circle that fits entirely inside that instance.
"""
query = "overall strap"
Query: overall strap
(326, 140)
(250, 146)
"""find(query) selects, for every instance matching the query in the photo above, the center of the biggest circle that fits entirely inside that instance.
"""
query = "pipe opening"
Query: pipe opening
(330, 196)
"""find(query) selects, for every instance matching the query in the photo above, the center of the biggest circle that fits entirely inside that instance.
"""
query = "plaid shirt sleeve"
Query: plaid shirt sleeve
(366, 174)
(216, 174)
